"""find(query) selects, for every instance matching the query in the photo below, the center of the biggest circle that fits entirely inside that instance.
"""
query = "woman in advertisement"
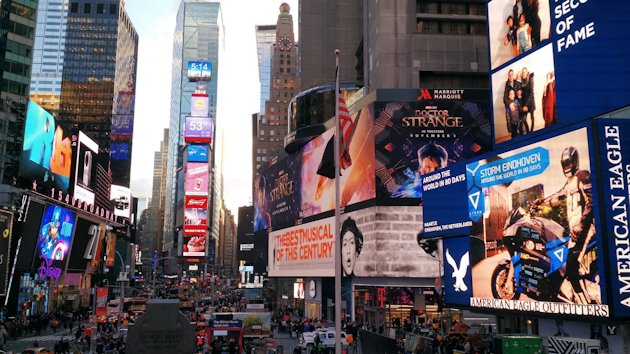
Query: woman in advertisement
(351, 245)
(262, 219)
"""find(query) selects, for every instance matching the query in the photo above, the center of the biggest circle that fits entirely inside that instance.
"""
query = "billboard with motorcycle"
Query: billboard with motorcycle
(532, 208)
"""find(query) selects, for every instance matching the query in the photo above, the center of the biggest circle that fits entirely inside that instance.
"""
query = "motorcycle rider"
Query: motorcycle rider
(577, 194)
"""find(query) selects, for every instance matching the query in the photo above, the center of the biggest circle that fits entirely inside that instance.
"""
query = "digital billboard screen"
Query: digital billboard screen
(199, 105)
(6, 227)
(576, 68)
(85, 169)
(120, 199)
(199, 71)
(195, 215)
(197, 178)
(119, 151)
(394, 249)
(54, 240)
(533, 216)
(197, 153)
(441, 127)
(122, 125)
(198, 130)
(47, 152)
(291, 190)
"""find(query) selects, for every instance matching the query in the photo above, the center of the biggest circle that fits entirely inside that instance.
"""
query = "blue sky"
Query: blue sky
(239, 88)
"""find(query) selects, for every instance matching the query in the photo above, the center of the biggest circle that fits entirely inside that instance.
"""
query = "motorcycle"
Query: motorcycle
(538, 252)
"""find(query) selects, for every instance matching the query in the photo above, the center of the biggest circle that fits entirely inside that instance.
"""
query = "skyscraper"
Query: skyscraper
(17, 22)
(265, 39)
(197, 37)
(84, 73)
(271, 126)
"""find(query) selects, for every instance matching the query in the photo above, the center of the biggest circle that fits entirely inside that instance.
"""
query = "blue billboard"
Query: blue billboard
(457, 277)
(441, 190)
(197, 153)
(615, 181)
(555, 63)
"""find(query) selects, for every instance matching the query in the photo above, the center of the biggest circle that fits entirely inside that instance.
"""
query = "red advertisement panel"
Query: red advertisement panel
(101, 301)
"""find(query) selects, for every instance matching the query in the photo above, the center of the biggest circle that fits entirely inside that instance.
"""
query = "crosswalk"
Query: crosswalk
(50, 337)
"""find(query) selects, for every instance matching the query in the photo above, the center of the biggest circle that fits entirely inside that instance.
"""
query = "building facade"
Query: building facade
(99, 78)
(17, 21)
(271, 125)
(198, 36)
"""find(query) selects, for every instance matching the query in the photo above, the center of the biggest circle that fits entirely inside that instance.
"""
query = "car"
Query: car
(326, 336)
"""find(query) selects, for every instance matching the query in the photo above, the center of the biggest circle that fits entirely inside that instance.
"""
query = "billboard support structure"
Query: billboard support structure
(336, 137)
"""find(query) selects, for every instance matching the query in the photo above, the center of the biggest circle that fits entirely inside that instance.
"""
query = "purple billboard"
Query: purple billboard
(198, 130)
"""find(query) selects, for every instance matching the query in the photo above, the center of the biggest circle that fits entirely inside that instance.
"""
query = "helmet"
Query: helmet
(570, 161)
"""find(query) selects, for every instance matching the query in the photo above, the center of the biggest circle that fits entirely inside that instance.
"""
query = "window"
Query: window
(288, 70)
(113, 9)
(100, 8)
(74, 7)
(87, 8)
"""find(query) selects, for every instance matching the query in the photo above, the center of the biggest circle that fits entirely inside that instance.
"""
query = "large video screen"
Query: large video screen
(291, 190)
(120, 199)
(197, 178)
(199, 71)
(85, 171)
(55, 235)
(575, 67)
(47, 152)
(198, 130)
(393, 249)
(533, 218)
(414, 138)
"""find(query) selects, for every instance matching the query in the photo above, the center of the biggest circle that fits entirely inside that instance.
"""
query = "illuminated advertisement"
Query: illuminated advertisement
(194, 246)
(6, 227)
(195, 215)
(291, 190)
(394, 249)
(85, 170)
(101, 301)
(55, 237)
(457, 279)
(440, 127)
(122, 125)
(615, 178)
(119, 151)
(441, 192)
(198, 130)
(298, 291)
(120, 199)
(197, 178)
(47, 152)
(564, 58)
(533, 218)
(84, 245)
(199, 71)
(199, 105)
(110, 251)
(197, 153)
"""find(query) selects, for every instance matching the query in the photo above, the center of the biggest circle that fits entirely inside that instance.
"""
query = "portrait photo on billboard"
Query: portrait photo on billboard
(120, 200)
(534, 218)
(414, 138)
(85, 171)
(516, 27)
(277, 193)
(394, 249)
(55, 235)
(524, 96)
(47, 152)
(317, 193)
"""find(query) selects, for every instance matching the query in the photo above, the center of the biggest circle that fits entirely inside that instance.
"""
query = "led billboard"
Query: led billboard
(290, 191)
(119, 151)
(571, 47)
(199, 105)
(120, 199)
(85, 169)
(195, 215)
(196, 153)
(54, 241)
(196, 178)
(6, 227)
(199, 71)
(615, 172)
(47, 152)
(391, 249)
(533, 215)
(457, 279)
(198, 130)
(441, 127)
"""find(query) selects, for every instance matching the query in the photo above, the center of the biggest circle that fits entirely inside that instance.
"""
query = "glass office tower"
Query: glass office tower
(98, 81)
(197, 37)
